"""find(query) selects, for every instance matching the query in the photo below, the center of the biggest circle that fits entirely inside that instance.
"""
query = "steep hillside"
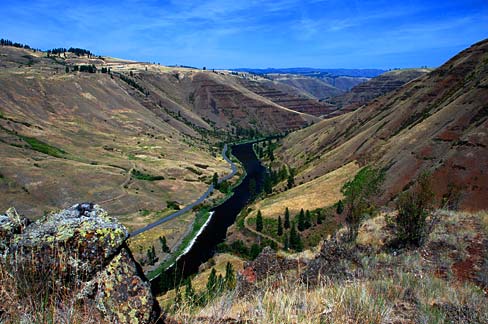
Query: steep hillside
(435, 123)
(272, 91)
(365, 92)
(139, 139)
(313, 87)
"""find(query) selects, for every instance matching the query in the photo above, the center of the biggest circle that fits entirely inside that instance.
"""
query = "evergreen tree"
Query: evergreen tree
(255, 250)
(301, 220)
(286, 243)
(287, 218)
(268, 183)
(340, 207)
(215, 180)
(220, 284)
(291, 181)
(212, 283)
(280, 227)
(319, 217)
(230, 277)
(283, 173)
(164, 245)
(259, 222)
(151, 255)
(295, 240)
(308, 219)
(189, 292)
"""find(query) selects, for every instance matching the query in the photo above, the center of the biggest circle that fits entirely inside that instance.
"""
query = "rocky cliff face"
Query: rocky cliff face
(80, 249)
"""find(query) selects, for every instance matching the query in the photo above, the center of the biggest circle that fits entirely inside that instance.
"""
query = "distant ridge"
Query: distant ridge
(368, 73)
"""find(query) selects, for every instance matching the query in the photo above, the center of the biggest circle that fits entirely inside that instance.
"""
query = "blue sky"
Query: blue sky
(251, 33)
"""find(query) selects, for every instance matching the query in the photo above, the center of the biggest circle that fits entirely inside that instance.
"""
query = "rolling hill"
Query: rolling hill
(138, 138)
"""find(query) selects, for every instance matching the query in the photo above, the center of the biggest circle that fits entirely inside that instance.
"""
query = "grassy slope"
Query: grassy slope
(435, 123)
(420, 285)
(85, 137)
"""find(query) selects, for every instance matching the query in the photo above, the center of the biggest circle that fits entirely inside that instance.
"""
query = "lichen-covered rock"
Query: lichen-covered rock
(78, 241)
(11, 223)
(121, 294)
(81, 250)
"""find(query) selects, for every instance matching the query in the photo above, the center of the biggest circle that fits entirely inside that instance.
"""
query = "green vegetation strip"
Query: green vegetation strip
(200, 220)
(144, 176)
(42, 147)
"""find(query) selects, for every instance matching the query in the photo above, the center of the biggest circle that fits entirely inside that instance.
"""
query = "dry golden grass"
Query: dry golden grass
(321, 192)
(373, 232)
(390, 288)
(28, 297)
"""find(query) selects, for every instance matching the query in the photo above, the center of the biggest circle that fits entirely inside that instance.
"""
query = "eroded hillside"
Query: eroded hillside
(365, 92)
(140, 139)
(435, 123)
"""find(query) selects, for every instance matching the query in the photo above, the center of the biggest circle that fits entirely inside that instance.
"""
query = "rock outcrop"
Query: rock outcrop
(81, 249)
(266, 265)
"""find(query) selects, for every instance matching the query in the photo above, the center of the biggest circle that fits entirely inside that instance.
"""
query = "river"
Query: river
(223, 216)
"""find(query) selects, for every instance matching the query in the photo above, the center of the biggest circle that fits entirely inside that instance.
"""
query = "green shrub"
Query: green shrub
(144, 176)
(358, 197)
(414, 206)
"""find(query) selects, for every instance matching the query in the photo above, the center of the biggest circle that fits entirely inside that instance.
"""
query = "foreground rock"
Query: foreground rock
(83, 250)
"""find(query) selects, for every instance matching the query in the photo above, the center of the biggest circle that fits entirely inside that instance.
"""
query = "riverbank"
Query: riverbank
(215, 231)
(202, 218)
(201, 221)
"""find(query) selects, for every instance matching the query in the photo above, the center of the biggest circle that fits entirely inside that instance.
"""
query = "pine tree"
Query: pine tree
(319, 217)
(212, 283)
(283, 173)
(220, 284)
(215, 180)
(291, 181)
(259, 222)
(295, 240)
(164, 245)
(230, 277)
(308, 219)
(286, 243)
(268, 183)
(189, 292)
(151, 255)
(301, 220)
(287, 218)
(340, 207)
(280, 227)
(255, 250)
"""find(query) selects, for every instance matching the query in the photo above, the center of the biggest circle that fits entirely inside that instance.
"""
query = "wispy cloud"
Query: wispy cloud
(262, 33)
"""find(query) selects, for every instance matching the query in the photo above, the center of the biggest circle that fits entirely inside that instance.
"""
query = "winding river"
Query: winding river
(215, 230)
